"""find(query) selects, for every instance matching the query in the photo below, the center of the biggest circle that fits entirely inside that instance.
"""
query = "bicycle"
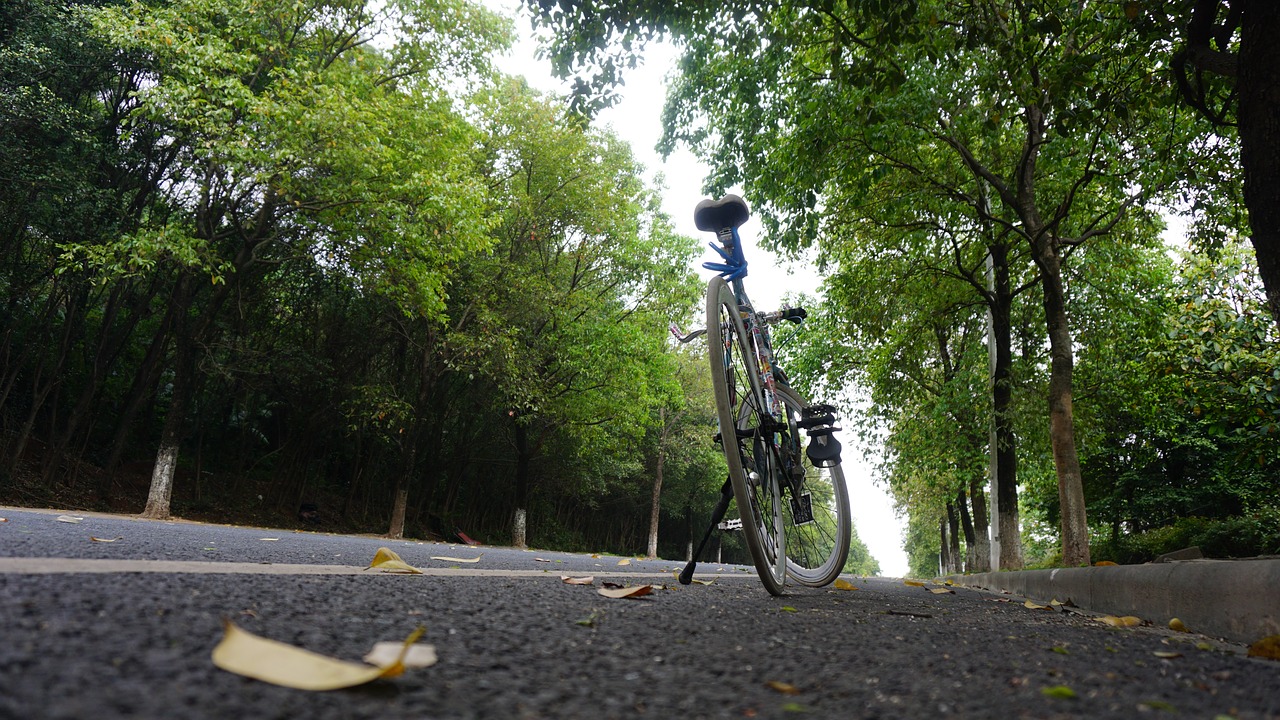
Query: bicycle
(795, 515)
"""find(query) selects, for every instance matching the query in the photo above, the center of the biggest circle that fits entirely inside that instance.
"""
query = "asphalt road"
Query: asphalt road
(125, 629)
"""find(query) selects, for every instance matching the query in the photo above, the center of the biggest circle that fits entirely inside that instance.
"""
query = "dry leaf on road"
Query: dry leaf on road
(1125, 621)
(69, 519)
(942, 591)
(913, 583)
(842, 584)
(588, 580)
(624, 561)
(387, 653)
(784, 688)
(445, 558)
(626, 592)
(243, 653)
(1268, 647)
(387, 560)
(98, 539)
(1032, 606)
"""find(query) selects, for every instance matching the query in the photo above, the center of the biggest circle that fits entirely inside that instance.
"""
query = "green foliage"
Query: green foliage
(1184, 413)
(370, 250)
(1249, 535)
(907, 142)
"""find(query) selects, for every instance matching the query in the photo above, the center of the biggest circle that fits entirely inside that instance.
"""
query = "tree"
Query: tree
(580, 288)
(681, 430)
(1050, 113)
(295, 136)
(1225, 67)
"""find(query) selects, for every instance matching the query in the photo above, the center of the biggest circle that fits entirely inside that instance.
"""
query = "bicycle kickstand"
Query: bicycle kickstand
(717, 514)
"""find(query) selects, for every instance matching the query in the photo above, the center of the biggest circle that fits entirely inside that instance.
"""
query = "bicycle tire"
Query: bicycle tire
(736, 384)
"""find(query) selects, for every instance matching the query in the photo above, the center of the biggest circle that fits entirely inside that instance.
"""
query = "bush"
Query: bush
(1245, 536)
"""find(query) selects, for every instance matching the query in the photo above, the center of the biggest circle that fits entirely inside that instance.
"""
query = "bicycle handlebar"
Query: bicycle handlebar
(795, 315)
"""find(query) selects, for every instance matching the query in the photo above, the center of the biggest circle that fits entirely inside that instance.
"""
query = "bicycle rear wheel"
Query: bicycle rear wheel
(745, 434)
(815, 516)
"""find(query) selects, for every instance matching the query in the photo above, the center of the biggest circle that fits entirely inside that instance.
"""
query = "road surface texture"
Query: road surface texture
(103, 630)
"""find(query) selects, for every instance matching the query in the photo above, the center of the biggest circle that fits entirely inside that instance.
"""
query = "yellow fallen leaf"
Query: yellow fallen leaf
(1167, 654)
(626, 592)
(942, 591)
(243, 653)
(913, 583)
(1178, 625)
(702, 582)
(784, 688)
(948, 583)
(624, 561)
(577, 580)
(1032, 606)
(1125, 621)
(1268, 647)
(1105, 563)
(445, 558)
(842, 584)
(387, 560)
(98, 539)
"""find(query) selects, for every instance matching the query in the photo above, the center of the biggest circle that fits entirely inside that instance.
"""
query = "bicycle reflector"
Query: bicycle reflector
(824, 449)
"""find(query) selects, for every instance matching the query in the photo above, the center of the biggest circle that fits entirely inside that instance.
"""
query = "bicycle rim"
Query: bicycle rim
(737, 388)
(815, 509)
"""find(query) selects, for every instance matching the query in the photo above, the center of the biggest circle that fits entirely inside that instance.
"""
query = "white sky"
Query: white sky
(637, 119)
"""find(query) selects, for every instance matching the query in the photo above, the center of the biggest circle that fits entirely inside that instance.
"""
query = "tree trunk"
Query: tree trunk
(144, 383)
(184, 384)
(655, 508)
(1006, 467)
(161, 490)
(981, 527)
(966, 525)
(1075, 529)
(400, 496)
(519, 525)
(1259, 126)
(953, 535)
(399, 502)
(944, 548)
(519, 528)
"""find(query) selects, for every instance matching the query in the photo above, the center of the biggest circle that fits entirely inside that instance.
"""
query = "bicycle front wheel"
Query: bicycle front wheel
(745, 434)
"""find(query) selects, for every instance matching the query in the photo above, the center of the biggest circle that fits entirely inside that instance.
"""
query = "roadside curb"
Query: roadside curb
(1238, 600)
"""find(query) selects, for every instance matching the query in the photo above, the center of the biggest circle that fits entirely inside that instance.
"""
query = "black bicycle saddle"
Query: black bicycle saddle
(729, 211)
